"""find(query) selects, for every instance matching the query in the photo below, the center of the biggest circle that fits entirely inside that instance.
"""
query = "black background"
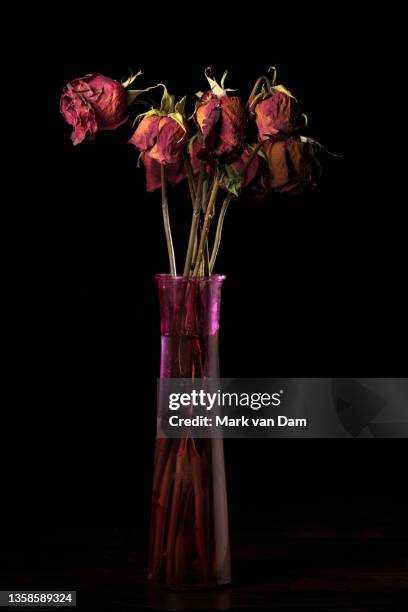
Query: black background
(315, 283)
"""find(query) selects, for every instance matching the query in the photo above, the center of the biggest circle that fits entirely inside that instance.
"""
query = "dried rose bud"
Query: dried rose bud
(91, 103)
(163, 133)
(221, 121)
(173, 173)
(277, 115)
(292, 163)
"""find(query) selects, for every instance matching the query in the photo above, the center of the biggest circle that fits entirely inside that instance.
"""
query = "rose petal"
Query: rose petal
(170, 141)
(174, 174)
(145, 134)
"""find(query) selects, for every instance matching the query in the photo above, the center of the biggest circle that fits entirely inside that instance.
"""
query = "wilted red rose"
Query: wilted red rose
(91, 103)
(255, 181)
(277, 116)
(193, 149)
(162, 137)
(221, 121)
(173, 173)
(292, 165)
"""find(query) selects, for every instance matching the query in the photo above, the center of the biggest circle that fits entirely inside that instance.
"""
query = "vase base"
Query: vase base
(206, 586)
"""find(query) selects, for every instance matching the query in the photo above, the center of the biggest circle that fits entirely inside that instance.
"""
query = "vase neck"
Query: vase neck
(190, 312)
(189, 306)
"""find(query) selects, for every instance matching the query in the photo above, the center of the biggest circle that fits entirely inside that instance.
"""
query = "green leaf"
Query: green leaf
(179, 107)
(149, 113)
(166, 101)
(231, 180)
(179, 118)
(191, 142)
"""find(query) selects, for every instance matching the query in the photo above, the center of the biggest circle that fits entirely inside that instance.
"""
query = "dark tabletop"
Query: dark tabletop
(354, 563)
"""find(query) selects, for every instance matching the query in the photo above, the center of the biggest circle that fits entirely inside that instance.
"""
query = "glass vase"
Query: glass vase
(189, 540)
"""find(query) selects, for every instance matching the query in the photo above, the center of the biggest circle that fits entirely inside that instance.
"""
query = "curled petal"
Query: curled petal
(170, 141)
(232, 130)
(277, 115)
(145, 134)
(194, 149)
(207, 116)
(92, 103)
(292, 165)
(221, 122)
(254, 182)
(80, 114)
(174, 173)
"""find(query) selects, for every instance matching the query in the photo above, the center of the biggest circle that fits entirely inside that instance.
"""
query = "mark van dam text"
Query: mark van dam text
(225, 421)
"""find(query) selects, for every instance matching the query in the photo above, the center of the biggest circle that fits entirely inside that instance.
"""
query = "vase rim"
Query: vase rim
(179, 278)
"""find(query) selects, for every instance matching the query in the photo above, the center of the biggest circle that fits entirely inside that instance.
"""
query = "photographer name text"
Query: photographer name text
(225, 421)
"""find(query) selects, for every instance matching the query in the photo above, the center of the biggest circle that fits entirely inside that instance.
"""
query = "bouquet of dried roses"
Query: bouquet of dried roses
(252, 149)
(226, 147)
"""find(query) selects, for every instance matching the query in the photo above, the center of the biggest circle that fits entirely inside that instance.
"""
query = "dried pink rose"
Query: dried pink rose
(277, 116)
(173, 173)
(221, 121)
(255, 181)
(194, 147)
(92, 103)
(292, 163)
(162, 137)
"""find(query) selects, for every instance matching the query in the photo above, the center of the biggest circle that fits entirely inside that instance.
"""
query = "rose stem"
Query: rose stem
(227, 200)
(192, 188)
(206, 264)
(194, 221)
(160, 511)
(199, 514)
(257, 84)
(207, 494)
(217, 239)
(190, 177)
(180, 547)
(166, 222)
(175, 508)
(209, 213)
(160, 459)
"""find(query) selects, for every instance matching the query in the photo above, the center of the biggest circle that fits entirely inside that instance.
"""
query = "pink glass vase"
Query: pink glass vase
(189, 540)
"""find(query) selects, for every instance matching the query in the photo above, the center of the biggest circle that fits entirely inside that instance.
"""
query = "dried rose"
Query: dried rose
(221, 121)
(162, 137)
(92, 103)
(194, 147)
(292, 163)
(254, 182)
(163, 133)
(277, 115)
(174, 173)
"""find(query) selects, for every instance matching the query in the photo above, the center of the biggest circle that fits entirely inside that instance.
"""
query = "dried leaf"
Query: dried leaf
(283, 89)
(275, 74)
(216, 89)
(132, 77)
(231, 180)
